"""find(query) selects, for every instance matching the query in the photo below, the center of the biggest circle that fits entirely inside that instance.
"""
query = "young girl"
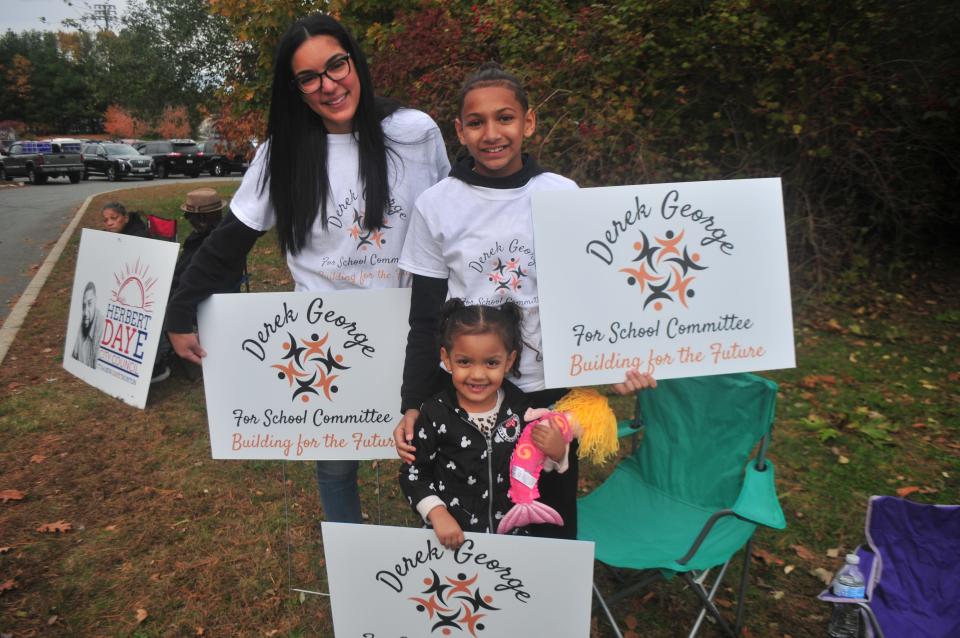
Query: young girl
(466, 433)
(471, 236)
(337, 175)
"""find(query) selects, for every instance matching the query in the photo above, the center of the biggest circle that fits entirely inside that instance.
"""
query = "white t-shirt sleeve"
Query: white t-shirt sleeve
(251, 203)
(423, 247)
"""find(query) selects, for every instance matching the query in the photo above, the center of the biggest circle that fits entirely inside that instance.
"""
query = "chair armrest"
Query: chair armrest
(628, 427)
(757, 501)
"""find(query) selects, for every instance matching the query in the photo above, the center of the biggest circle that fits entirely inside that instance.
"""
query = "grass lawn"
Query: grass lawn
(115, 522)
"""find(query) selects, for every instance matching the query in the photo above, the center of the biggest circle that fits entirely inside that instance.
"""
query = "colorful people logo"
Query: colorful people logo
(309, 367)
(665, 270)
(507, 276)
(454, 605)
(366, 237)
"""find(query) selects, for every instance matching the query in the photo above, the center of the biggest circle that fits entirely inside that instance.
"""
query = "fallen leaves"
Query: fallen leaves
(38, 458)
(803, 552)
(811, 381)
(766, 557)
(11, 495)
(142, 615)
(903, 492)
(8, 585)
(55, 528)
(825, 576)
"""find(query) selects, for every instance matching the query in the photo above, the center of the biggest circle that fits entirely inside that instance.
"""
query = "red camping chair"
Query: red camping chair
(161, 228)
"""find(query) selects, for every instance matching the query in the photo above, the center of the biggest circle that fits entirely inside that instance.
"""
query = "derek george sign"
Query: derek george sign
(393, 582)
(676, 280)
(304, 376)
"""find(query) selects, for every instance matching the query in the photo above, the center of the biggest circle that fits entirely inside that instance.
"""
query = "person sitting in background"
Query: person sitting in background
(116, 219)
(203, 208)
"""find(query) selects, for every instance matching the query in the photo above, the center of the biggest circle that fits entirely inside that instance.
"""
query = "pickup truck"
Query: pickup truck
(38, 161)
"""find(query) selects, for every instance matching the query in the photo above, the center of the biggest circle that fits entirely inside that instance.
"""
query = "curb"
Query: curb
(13, 323)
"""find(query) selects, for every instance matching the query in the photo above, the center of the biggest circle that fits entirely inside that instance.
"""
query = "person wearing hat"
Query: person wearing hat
(203, 208)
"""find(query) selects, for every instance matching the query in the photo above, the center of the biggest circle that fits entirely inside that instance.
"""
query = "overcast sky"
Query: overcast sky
(23, 15)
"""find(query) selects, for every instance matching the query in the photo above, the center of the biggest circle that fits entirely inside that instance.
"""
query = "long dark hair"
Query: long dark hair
(505, 321)
(297, 155)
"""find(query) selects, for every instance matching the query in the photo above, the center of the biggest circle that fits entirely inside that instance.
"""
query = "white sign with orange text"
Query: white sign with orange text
(387, 582)
(676, 280)
(304, 376)
(119, 298)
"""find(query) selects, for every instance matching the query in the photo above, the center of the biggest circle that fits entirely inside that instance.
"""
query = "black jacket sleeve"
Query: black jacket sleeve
(215, 262)
(422, 375)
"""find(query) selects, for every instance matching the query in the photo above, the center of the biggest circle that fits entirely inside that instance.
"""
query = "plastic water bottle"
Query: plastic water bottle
(848, 583)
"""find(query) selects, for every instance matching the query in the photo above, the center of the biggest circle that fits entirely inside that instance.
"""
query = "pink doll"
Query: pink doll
(582, 413)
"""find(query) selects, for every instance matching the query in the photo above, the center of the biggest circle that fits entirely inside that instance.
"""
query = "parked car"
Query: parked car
(115, 161)
(40, 160)
(172, 157)
(220, 159)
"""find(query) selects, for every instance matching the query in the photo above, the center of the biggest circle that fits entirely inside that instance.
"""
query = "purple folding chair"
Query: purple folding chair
(912, 570)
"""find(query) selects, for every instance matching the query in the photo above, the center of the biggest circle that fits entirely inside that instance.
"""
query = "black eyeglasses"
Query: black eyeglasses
(311, 81)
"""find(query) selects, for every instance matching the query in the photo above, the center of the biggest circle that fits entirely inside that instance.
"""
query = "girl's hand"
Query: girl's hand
(634, 382)
(403, 436)
(187, 346)
(446, 527)
(548, 439)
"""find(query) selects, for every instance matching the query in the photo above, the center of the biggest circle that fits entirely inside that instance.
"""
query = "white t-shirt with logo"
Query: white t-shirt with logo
(347, 255)
(481, 241)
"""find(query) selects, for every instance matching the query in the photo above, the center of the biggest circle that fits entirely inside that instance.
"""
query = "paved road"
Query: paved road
(33, 217)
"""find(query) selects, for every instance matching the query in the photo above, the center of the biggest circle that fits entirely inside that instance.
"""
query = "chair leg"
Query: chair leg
(865, 609)
(713, 592)
(708, 604)
(606, 610)
(742, 592)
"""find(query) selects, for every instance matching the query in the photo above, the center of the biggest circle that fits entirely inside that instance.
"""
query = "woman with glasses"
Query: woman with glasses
(337, 175)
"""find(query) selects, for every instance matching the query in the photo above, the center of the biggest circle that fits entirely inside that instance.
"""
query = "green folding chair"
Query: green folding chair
(686, 500)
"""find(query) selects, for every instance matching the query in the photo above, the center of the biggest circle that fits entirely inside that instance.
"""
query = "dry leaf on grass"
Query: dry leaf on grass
(55, 528)
(38, 458)
(823, 575)
(11, 495)
(7, 585)
(141, 615)
(903, 492)
(766, 557)
(788, 569)
(811, 381)
(803, 552)
(4, 550)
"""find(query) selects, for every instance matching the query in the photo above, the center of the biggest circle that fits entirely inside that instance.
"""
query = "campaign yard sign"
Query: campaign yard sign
(677, 280)
(120, 289)
(388, 582)
(304, 376)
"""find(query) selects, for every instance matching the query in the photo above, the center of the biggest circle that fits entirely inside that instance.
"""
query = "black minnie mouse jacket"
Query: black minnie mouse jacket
(454, 461)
